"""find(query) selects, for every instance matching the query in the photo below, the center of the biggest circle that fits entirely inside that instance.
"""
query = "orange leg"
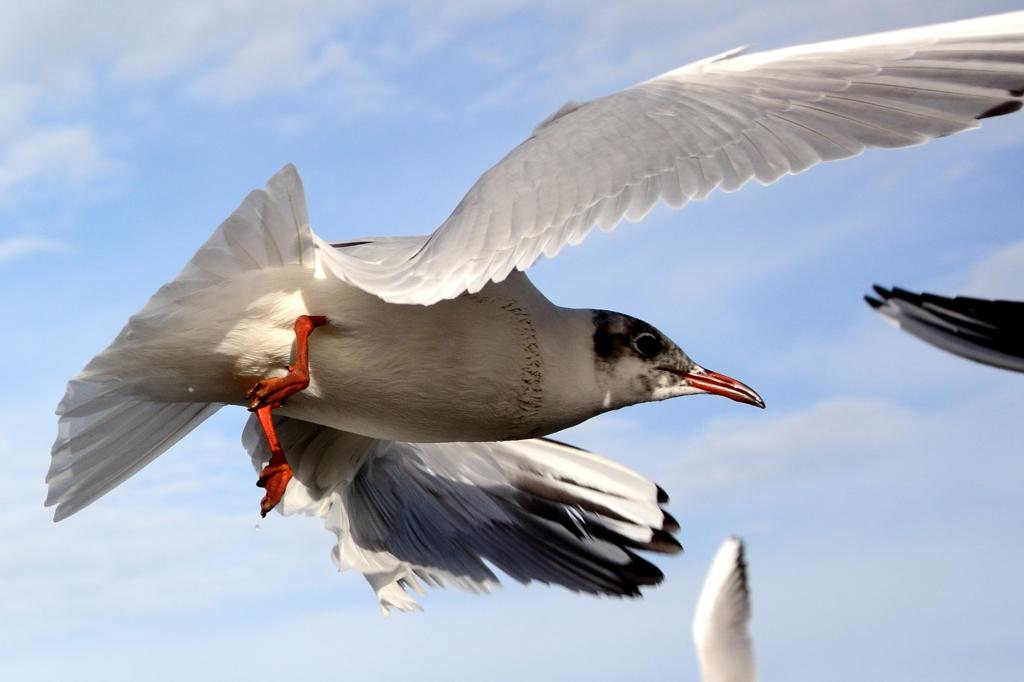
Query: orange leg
(269, 394)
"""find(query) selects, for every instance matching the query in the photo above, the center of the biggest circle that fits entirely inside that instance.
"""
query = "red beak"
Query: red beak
(719, 384)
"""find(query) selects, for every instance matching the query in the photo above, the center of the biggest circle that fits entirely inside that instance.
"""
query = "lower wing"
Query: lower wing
(412, 514)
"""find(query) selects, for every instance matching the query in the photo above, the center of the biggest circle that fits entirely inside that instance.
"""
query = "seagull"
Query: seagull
(414, 342)
(720, 622)
(986, 331)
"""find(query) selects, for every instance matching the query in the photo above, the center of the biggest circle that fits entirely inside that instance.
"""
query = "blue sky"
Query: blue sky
(878, 493)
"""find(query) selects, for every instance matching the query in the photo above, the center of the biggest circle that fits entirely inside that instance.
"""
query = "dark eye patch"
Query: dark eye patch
(648, 345)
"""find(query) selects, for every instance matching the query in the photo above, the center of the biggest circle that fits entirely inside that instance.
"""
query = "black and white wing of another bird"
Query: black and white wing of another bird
(986, 331)
(724, 649)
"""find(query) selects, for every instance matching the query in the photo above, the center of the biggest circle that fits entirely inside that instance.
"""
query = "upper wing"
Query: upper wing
(715, 123)
(990, 332)
(446, 512)
(720, 624)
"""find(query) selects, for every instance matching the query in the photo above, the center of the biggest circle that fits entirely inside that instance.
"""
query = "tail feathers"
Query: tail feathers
(270, 228)
(106, 432)
(105, 435)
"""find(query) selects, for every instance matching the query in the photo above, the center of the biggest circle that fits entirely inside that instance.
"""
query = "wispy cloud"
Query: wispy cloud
(14, 248)
(281, 61)
(64, 156)
(1000, 275)
(735, 454)
(176, 547)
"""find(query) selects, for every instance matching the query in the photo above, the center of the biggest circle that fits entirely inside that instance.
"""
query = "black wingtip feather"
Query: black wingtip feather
(873, 302)
(641, 572)
(669, 523)
(663, 543)
(662, 495)
(565, 445)
(1002, 109)
(904, 294)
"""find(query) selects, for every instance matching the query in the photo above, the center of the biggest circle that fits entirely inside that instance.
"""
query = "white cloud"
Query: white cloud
(738, 453)
(1000, 275)
(211, 42)
(53, 55)
(513, 635)
(68, 156)
(18, 247)
(161, 544)
(145, 40)
(610, 45)
(227, 51)
(274, 62)
(18, 99)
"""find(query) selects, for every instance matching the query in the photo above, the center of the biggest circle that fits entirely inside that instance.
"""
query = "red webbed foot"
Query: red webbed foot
(274, 478)
(272, 393)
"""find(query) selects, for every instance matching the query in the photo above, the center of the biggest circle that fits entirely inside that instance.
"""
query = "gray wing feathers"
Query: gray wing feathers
(724, 649)
(714, 124)
(446, 513)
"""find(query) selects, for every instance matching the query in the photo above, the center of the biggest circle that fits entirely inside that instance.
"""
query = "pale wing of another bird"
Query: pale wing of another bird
(724, 648)
(716, 123)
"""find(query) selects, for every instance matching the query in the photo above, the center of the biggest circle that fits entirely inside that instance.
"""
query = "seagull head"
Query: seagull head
(636, 363)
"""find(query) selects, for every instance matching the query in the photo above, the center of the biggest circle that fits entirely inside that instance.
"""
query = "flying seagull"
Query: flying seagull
(442, 338)
(724, 649)
(989, 332)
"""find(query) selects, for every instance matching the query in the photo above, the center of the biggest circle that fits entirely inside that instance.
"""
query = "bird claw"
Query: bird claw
(274, 478)
(270, 393)
(273, 392)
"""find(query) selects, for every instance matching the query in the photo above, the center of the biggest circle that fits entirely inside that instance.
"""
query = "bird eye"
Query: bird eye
(648, 345)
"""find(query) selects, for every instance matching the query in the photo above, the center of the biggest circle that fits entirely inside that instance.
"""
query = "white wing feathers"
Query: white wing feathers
(445, 513)
(717, 123)
(107, 430)
(724, 648)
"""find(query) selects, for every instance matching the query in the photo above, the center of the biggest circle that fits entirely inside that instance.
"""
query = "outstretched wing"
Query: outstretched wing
(724, 648)
(444, 513)
(717, 123)
(989, 332)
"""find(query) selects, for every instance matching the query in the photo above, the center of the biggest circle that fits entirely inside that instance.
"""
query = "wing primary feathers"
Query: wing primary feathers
(444, 513)
(873, 302)
(1007, 107)
(986, 331)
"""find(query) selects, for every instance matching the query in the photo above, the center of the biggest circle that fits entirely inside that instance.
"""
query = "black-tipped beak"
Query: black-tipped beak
(719, 384)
